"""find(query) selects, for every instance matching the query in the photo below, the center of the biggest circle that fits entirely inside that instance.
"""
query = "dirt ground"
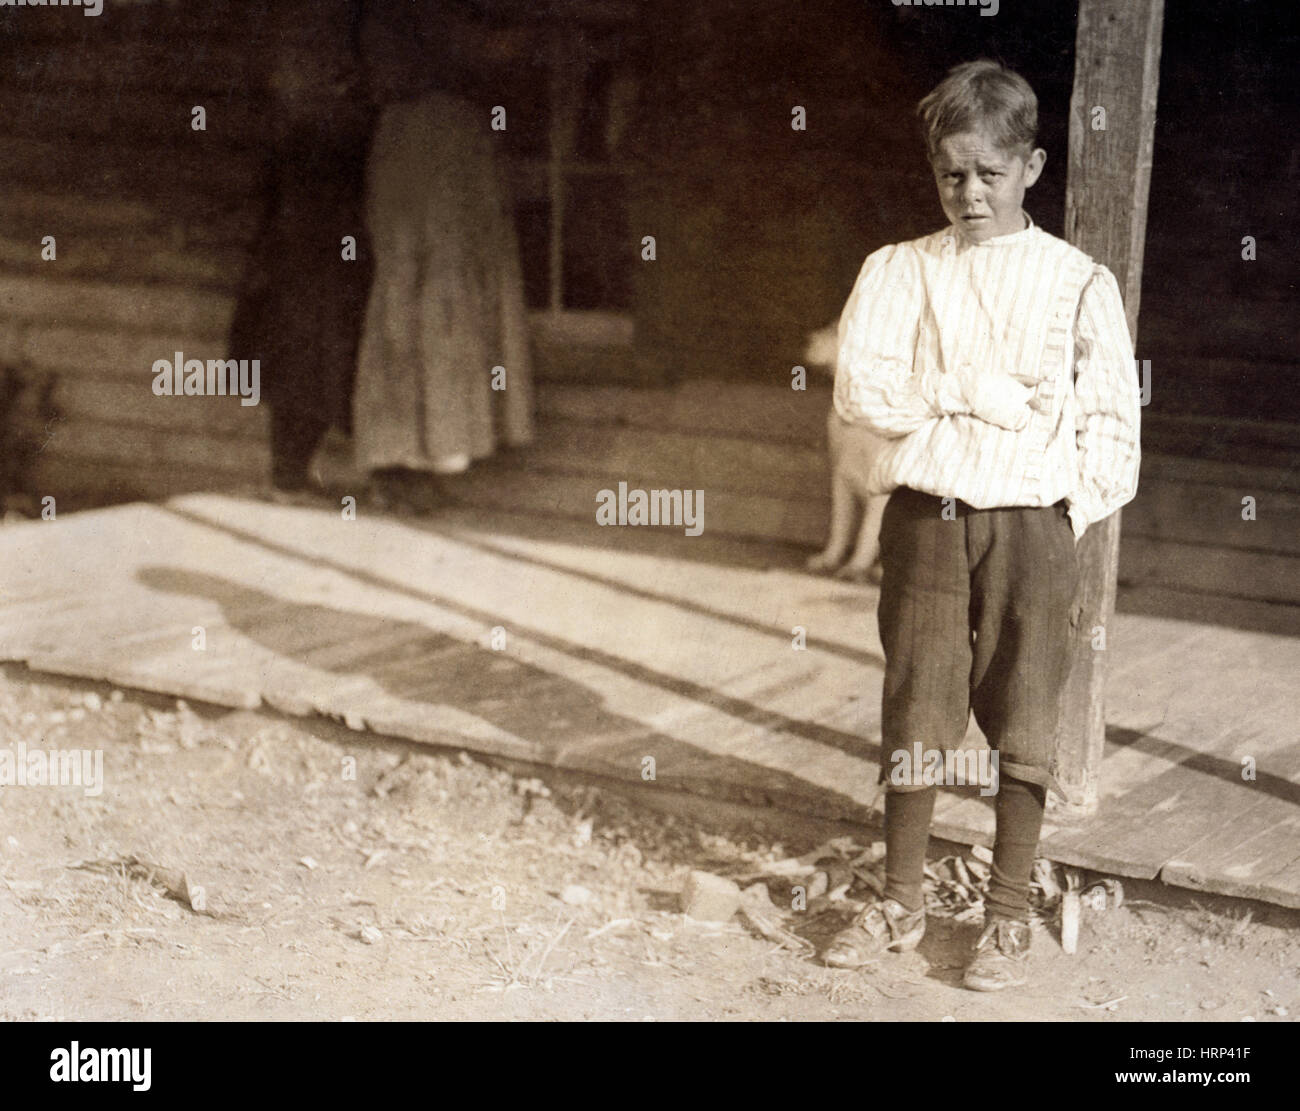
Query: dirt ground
(346, 876)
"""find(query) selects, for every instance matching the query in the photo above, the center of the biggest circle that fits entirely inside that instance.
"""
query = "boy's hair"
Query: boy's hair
(981, 96)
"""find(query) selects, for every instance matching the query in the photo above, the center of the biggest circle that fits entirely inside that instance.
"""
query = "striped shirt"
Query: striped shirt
(937, 311)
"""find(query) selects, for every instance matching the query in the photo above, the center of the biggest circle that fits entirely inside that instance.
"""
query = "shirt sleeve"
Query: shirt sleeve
(1106, 395)
(875, 382)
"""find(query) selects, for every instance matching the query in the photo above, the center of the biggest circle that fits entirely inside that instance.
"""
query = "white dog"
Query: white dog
(853, 550)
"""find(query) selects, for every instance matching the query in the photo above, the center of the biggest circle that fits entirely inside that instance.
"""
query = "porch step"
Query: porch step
(755, 516)
(758, 453)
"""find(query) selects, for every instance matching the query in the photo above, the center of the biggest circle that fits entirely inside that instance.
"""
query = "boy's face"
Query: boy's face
(982, 187)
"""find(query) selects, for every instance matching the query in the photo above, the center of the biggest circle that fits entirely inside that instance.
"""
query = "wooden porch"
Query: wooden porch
(557, 642)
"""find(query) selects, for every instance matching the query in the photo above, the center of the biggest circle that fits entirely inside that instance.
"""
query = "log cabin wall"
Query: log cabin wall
(151, 219)
(759, 228)
(1220, 331)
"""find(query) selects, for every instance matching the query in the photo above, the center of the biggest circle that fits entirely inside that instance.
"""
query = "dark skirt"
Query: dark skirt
(302, 303)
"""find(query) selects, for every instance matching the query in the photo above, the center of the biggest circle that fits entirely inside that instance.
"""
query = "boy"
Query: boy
(997, 360)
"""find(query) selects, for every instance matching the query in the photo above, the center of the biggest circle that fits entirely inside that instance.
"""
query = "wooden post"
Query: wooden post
(1116, 69)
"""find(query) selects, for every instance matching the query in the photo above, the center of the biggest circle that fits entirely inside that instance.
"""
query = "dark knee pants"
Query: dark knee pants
(975, 615)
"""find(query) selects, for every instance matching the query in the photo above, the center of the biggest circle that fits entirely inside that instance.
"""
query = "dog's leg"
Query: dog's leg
(865, 564)
(843, 519)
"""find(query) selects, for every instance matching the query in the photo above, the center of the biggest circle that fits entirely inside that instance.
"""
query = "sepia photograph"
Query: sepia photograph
(693, 511)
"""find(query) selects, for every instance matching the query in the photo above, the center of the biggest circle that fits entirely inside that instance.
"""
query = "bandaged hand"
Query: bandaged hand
(997, 398)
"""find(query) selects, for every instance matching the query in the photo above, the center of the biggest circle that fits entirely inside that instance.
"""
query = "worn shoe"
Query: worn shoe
(1001, 957)
(881, 927)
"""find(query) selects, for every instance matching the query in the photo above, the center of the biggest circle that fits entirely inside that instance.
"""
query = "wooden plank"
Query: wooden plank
(1193, 709)
(120, 402)
(75, 482)
(158, 658)
(695, 574)
(683, 676)
(725, 513)
(1251, 861)
(11, 342)
(322, 637)
(210, 171)
(1235, 340)
(677, 460)
(1172, 816)
(41, 624)
(1116, 65)
(133, 308)
(1221, 438)
(187, 64)
(243, 458)
(38, 212)
(206, 687)
(1200, 568)
(1211, 516)
(1153, 600)
(141, 258)
(776, 414)
(1201, 472)
(102, 353)
(725, 707)
(149, 117)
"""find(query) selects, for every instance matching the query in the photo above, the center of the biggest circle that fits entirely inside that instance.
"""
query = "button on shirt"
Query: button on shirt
(930, 313)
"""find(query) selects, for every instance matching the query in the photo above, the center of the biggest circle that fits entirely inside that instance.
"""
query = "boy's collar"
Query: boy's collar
(1010, 239)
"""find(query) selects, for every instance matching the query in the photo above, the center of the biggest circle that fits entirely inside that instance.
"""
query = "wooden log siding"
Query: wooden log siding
(152, 221)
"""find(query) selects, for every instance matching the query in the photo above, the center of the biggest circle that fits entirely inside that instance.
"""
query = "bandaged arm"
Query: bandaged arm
(876, 380)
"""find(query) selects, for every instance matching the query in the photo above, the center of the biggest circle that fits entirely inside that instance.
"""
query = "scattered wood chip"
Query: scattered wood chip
(1044, 877)
(1108, 1005)
(869, 877)
(769, 927)
(174, 883)
(613, 924)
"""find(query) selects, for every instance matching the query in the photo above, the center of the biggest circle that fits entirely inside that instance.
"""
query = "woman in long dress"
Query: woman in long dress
(444, 372)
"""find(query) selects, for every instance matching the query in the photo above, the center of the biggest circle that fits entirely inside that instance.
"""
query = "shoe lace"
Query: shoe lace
(1004, 935)
(888, 918)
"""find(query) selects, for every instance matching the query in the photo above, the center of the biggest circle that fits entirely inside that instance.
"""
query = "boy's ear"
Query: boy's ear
(1034, 166)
